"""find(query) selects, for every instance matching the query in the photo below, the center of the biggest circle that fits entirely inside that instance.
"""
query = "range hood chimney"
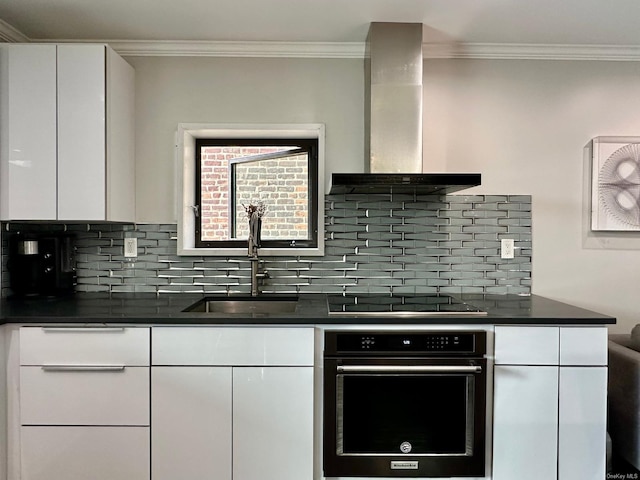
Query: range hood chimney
(393, 119)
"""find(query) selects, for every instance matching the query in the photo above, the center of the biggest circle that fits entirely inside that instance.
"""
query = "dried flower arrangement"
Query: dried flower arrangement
(254, 214)
(260, 208)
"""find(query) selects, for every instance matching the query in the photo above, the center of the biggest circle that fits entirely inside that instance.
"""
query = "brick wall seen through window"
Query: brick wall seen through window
(282, 184)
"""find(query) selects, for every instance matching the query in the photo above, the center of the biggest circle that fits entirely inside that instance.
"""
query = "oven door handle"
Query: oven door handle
(409, 368)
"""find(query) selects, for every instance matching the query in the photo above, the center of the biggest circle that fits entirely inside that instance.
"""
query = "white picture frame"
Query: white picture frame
(615, 184)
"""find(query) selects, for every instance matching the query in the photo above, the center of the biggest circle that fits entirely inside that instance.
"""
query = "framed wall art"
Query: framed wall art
(615, 184)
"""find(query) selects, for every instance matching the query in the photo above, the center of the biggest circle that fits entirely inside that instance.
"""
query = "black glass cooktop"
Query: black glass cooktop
(372, 304)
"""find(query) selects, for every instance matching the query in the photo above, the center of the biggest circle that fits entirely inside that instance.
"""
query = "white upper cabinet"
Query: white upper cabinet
(67, 134)
(81, 131)
(28, 139)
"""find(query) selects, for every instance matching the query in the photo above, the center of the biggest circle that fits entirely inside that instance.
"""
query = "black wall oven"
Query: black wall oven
(410, 404)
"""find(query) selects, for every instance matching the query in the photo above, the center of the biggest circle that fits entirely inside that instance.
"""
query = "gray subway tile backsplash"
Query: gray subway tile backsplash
(384, 244)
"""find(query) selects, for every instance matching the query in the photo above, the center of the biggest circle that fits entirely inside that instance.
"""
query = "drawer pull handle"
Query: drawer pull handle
(410, 368)
(83, 368)
(82, 329)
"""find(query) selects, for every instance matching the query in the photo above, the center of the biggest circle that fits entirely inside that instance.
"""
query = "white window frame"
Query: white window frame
(186, 185)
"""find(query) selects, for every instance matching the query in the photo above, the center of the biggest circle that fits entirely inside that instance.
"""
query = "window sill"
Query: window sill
(242, 252)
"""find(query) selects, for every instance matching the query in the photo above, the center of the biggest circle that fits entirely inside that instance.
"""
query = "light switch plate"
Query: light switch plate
(507, 248)
(131, 247)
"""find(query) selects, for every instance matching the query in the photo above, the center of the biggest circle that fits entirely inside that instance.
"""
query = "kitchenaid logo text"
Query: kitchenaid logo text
(404, 465)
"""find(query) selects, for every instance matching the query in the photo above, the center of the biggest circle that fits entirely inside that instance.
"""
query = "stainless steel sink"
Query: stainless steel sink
(260, 304)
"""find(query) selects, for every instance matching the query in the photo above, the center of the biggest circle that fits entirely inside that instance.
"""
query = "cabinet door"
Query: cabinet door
(28, 96)
(273, 423)
(82, 453)
(121, 171)
(81, 132)
(191, 423)
(525, 423)
(582, 423)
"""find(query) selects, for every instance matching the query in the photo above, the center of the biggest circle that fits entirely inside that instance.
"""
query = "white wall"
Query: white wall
(239, 90)
(522, 124)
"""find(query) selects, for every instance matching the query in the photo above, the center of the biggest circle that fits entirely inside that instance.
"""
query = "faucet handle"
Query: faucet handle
(262, 272)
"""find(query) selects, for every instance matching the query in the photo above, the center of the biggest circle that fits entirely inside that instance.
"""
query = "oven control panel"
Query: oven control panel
(413, 342)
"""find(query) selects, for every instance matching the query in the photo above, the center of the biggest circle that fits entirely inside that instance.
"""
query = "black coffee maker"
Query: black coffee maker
(42, 264)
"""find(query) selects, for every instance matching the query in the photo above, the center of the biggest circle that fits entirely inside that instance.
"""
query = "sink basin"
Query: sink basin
(266, 304)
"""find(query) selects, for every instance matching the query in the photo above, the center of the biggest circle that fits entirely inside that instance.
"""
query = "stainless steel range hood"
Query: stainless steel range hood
(393, 119)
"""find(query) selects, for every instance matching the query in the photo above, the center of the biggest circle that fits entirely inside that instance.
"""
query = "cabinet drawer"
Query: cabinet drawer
(84, 346)
(583, 346)
(232, 346)
(81, 453)
(527, 345)
(118, 396)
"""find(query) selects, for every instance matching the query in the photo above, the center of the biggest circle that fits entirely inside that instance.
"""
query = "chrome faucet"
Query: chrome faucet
(258, 274)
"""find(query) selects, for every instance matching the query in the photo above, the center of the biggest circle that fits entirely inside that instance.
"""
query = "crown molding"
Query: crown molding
(506, 51)
(483, 51)
(480, 51)
(168, 48)
(11, 34)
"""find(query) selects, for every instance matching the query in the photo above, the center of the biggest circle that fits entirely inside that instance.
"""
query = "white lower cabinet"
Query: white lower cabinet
(248, 416)
(115, 396)
(85, 453)
(191, 423)
(84, 403)
(272, 423)
(582, 423)
(3, 404)
(550, 403)
(525, 423)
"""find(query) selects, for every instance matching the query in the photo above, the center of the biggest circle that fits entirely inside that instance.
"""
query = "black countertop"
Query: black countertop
(311, 309)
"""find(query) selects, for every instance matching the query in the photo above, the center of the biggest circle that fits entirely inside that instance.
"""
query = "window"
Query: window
(227, 168)
(278, 174)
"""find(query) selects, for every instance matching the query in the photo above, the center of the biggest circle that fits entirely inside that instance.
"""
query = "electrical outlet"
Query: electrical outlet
(131, 247)
(507, 248)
